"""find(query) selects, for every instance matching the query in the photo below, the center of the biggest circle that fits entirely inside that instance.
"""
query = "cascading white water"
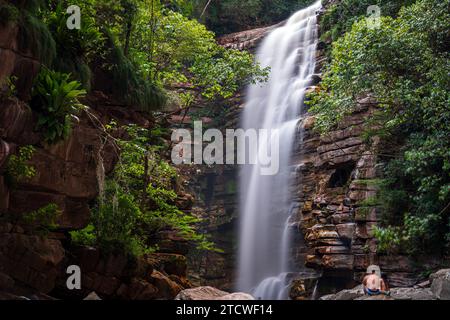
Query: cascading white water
(265, 202)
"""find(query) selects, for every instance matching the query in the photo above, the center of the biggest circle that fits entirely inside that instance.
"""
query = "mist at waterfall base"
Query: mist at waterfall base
(265, 201)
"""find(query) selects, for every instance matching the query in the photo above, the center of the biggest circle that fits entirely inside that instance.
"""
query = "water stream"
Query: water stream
(265, 201)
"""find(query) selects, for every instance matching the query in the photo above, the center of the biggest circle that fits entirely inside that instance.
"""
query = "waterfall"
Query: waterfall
(265, 201)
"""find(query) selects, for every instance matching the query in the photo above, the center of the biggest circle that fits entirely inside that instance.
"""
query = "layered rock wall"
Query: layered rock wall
(67, 174)
(338, 175)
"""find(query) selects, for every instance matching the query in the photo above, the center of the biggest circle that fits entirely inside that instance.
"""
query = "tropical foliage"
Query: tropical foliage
(44, 219)
(404, 65)
(56, 100)
(227, 16)
(138, 201)
(18, 168)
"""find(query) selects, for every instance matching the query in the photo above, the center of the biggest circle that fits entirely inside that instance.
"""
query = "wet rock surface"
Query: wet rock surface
(246, 40)
(210, 293)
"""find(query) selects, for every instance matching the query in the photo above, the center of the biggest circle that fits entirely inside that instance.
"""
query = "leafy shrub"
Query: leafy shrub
(115, 224)
(388, 239)
(35, 36)
(129, 84)
(56, 99)
(17, 167)
(413, 237)
(139, 201)
(339, 18)
(75, 48)
(43, 219)
(172, 49)
(224, 74)
(84, 237)
(8, 87)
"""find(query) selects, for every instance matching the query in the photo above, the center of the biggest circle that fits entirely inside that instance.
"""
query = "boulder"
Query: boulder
(201, 293)
(138, 289)
(236, 296)
(396, 294)
(412, 294)
(350, 294)
(174, 264)
(379, 297)
(210, 293)
(167, 289)
(303, 288)
(92, 296)
(441, 284)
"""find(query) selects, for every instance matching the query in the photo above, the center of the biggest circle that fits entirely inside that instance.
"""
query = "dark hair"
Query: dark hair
(373, 271)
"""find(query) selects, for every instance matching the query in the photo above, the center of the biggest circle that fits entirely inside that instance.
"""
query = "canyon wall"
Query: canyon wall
(338, 175)
(336, 182)
(67, 174)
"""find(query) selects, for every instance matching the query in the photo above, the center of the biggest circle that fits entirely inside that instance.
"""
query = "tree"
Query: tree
(404, 64)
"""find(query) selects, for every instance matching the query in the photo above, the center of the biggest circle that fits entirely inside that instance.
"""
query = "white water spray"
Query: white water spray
(265, 203)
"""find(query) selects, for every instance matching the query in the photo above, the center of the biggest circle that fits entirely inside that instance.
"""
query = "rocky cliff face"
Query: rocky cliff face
(336, 181)
(34, 266)
(246, 40)
(215, 189)
(216, 205)
(337, 176)
(66, 174)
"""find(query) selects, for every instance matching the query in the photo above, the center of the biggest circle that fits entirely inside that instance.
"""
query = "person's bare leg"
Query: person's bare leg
(384, 288)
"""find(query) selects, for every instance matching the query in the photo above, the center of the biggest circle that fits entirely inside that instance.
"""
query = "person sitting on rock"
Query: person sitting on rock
(373, 284)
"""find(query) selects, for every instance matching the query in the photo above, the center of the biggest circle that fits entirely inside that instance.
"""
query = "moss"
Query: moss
(129, 85)
(8, 14)
(369, 202)
(35, 36)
